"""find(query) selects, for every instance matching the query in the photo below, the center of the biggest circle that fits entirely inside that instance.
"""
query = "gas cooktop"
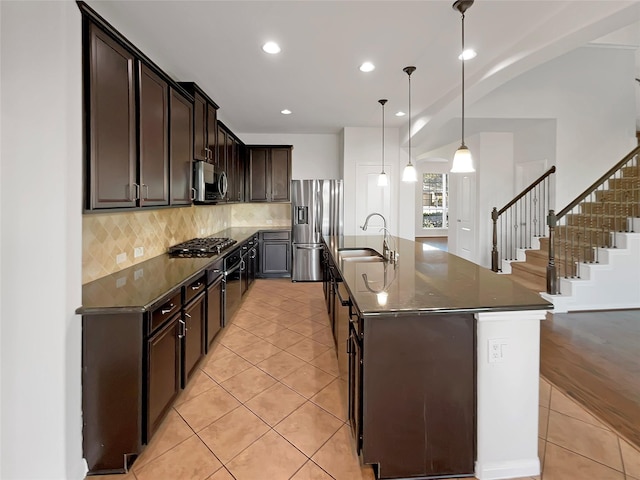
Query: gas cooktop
(201, 247)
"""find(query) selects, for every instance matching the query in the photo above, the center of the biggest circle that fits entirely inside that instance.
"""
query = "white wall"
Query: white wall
(590, 93)
(314, 155)
(40, 219)
(496, 157)
(362, 152)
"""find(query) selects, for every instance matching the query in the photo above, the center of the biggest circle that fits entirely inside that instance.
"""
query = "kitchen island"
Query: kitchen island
(443, 362)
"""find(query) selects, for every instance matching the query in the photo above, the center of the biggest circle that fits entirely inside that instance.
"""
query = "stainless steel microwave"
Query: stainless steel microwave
(210, 185)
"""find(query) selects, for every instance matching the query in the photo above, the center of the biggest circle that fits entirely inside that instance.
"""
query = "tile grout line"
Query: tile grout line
(584, 456)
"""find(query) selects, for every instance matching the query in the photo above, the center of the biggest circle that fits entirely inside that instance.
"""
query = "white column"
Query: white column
(508, 372)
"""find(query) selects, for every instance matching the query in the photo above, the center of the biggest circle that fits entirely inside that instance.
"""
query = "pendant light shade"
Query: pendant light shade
(383, 181)
(462, 160)
(409, 174)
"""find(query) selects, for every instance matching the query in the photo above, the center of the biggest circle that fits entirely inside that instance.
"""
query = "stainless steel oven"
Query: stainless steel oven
(232, 284)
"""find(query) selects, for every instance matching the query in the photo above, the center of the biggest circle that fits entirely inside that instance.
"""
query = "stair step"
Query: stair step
(616, 220)
(631, 171)
(538, 257)
(628, 209)
(624, 195)
(535, 284)
(528, 269)
(624, 182)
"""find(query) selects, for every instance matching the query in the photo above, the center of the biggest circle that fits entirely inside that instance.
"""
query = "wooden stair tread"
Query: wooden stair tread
(529, 268)
(535, 286)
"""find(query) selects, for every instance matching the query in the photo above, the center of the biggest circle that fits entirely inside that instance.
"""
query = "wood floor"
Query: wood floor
(594, 357)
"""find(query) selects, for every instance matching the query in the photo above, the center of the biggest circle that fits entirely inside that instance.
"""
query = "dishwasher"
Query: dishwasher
(232, 284)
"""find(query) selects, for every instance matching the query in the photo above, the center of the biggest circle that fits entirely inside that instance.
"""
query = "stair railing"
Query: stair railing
(592, 220)
(519, 220)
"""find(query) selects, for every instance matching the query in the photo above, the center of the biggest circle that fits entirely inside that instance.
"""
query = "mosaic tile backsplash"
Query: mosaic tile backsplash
(107, 236)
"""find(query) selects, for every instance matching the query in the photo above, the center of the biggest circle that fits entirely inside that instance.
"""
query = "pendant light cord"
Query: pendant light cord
(383, 136)
(410, 118)
(463, 60)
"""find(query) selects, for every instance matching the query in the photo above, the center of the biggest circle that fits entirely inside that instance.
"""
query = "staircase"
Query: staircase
(596, 248)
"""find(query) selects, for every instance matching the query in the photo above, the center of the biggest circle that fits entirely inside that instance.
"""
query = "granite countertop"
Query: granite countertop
(426, 281)
(140, 287)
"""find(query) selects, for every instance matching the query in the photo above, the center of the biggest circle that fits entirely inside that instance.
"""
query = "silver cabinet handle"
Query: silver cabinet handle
(196, 287)
(193, 194)
(183, 327)
(146, 187)
(186, 315)
(164, 311)
(137, 189)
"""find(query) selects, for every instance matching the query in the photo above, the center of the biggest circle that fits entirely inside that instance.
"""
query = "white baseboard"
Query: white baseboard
(526, 467)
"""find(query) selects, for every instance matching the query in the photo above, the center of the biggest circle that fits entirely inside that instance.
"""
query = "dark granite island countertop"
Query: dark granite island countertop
(426, 281)
(443, 362)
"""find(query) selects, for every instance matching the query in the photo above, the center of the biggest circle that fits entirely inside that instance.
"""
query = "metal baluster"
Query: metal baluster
(552, 279)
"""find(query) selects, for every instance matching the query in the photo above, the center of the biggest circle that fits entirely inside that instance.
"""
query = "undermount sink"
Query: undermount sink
(359, 255)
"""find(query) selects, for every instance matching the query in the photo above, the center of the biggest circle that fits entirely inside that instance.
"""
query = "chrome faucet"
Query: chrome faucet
(385, 245)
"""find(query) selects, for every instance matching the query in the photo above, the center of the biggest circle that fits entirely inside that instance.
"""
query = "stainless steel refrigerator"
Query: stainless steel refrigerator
(316, 210)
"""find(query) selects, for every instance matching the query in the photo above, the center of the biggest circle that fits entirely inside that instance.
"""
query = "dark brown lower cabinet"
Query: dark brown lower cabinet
(412, 391)
(194, 329)
(214, 310)
(163, 373)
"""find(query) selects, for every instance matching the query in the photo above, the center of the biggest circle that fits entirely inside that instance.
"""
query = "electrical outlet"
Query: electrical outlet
(269, 221)
(138, 252)
(121, 282)
(497, 349)
(138, 274)
(121, 257)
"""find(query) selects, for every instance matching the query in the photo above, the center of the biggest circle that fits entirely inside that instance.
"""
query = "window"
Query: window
(435, 200)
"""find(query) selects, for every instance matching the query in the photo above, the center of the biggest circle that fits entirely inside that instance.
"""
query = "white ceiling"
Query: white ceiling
(217, 44)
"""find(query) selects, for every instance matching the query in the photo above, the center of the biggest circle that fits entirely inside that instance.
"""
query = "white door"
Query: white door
(371, 198)
(466, 216)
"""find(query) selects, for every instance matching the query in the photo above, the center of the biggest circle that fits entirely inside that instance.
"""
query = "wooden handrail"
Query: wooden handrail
(527, 190)
(495, 215)
(598, 182)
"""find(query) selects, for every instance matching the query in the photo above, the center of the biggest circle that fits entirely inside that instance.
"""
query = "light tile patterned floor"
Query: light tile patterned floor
(267, 403)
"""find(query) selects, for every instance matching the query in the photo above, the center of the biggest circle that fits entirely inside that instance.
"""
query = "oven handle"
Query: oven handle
(232, 269)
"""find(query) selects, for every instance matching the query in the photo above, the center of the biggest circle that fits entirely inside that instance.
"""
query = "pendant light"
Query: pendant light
(383, 181)
(409, 174)
(462, 160)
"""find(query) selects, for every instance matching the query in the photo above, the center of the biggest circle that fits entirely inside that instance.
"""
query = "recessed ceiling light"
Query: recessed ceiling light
(271, 47)
(400, 114)
(468, 54)
(286, 111)
(367, 67)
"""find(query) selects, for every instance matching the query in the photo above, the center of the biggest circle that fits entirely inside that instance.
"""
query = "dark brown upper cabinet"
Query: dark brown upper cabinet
(111, 175)
(230, 149)
(181, 148)
(138, 125)
(269, 173)
(153, 187)
(205, 120)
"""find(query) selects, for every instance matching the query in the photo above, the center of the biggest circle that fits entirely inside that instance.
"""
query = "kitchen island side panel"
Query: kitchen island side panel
(419, 386)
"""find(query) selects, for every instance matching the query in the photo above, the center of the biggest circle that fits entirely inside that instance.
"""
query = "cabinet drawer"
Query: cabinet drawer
(276, 235)
(214, 271)
(166, 311)
(194, 288)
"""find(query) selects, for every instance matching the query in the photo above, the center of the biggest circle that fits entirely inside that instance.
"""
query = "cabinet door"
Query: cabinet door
(112, 124)
(200, 128)
(181, 148)
(280, 173)
(214, 310)
(221, 144)
(212, 130)
(232, 169)
(258, 167)
(194, 316)
(355, 387)
(276, 258)
(163, 373)
(154, 142)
